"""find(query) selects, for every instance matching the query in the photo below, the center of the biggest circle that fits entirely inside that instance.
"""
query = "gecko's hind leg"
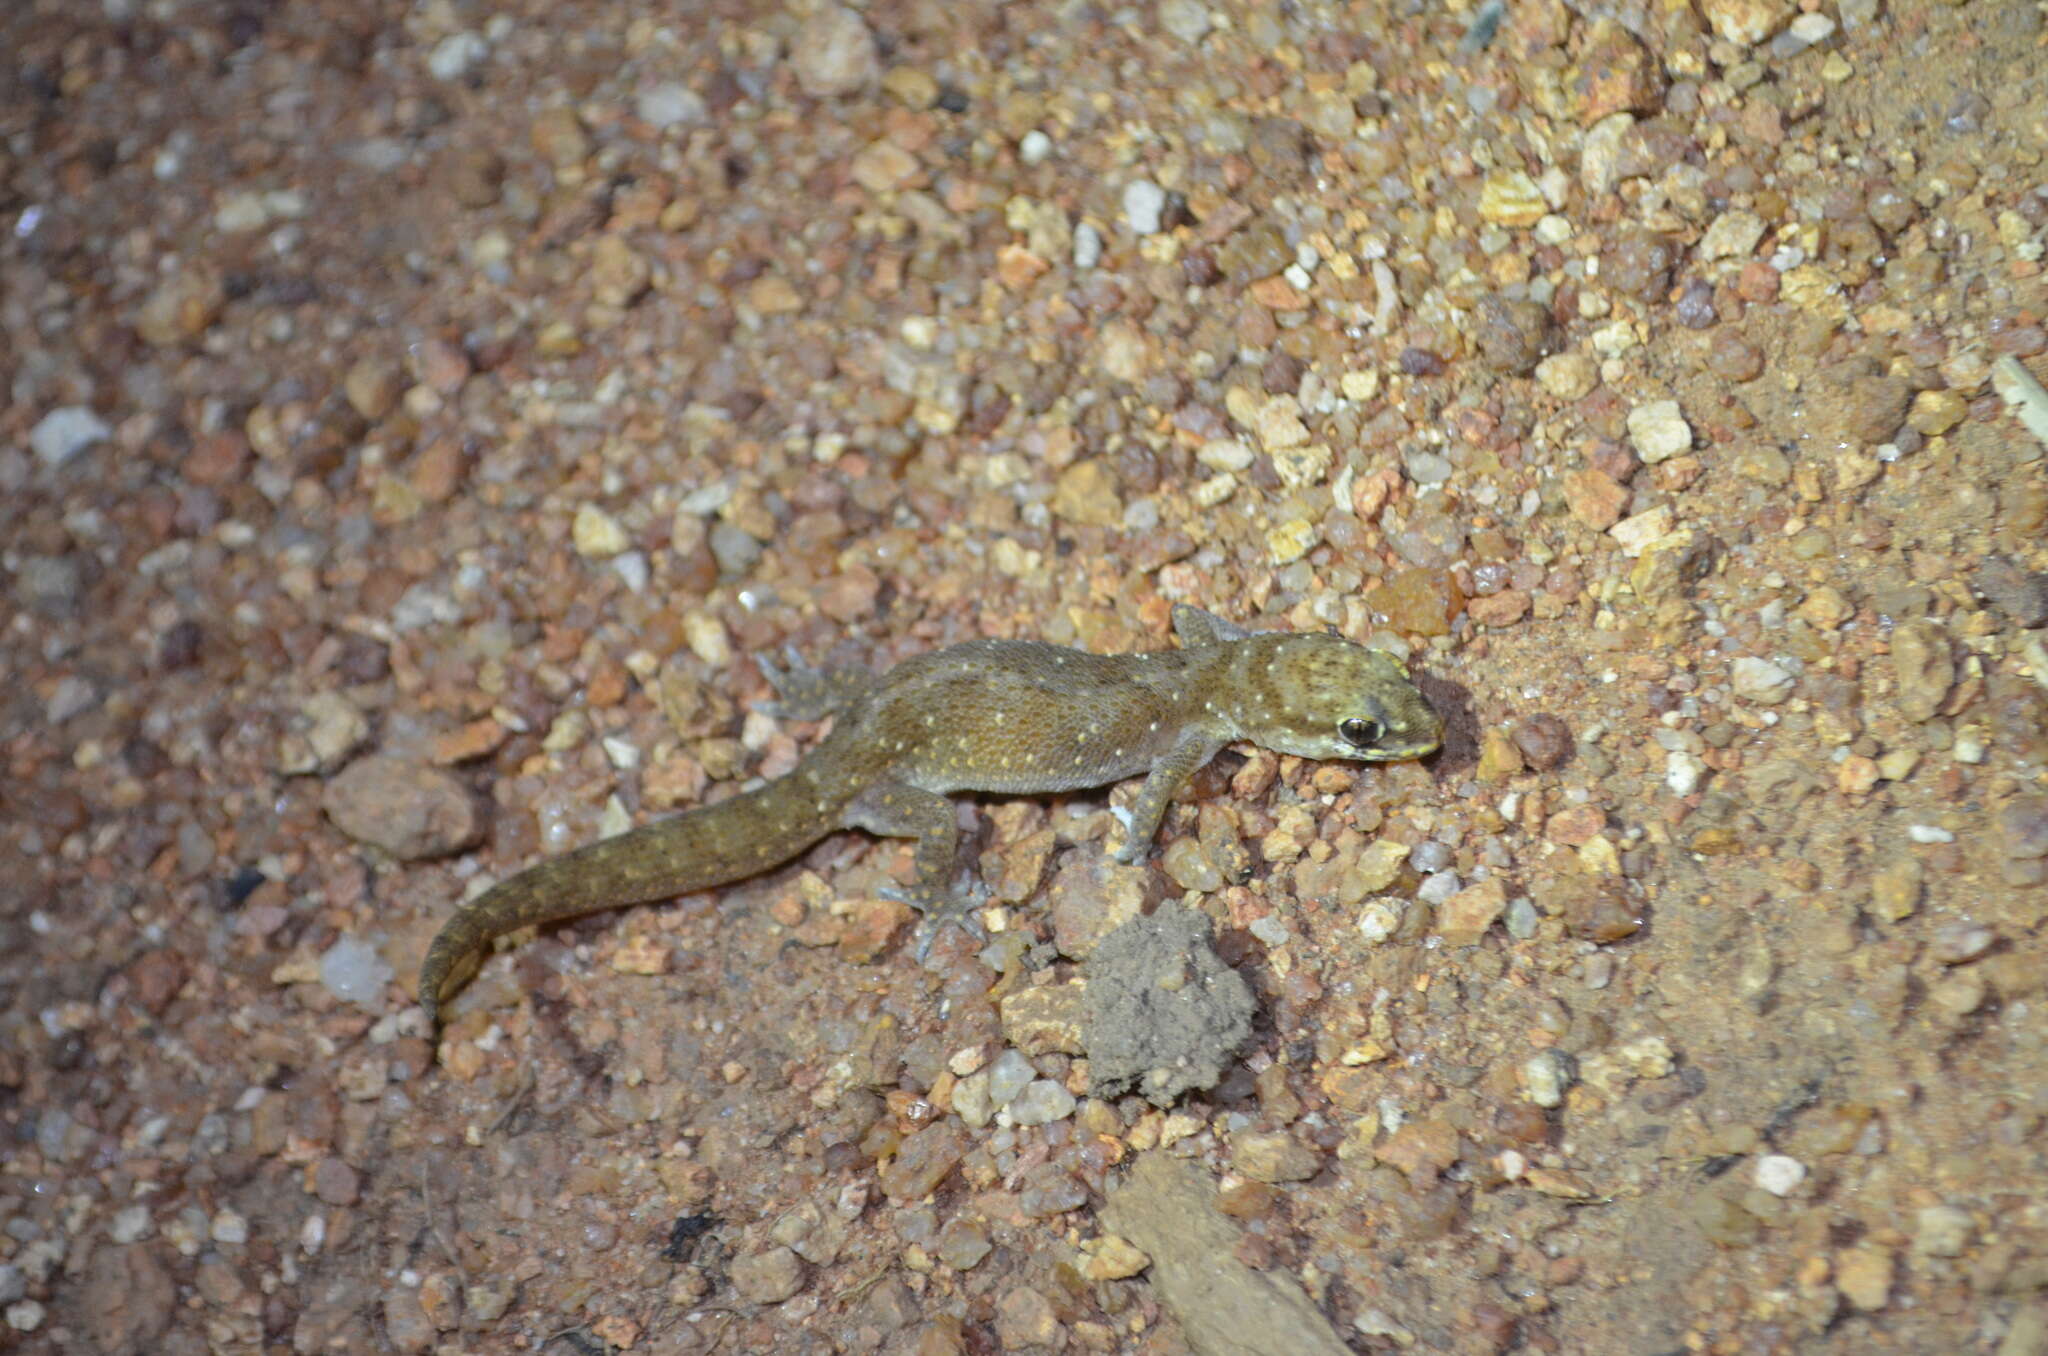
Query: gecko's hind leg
(805, 692)
(898, 810)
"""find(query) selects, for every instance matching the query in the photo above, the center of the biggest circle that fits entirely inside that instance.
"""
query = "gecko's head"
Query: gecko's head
(1323, 697)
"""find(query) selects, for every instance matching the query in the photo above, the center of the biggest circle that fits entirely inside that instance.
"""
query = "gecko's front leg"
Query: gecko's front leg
(1168, 776)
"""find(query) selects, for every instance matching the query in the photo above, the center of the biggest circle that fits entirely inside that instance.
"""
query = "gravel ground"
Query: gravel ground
(417, 416)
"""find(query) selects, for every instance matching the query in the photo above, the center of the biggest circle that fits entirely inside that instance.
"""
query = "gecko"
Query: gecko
(1014, 717)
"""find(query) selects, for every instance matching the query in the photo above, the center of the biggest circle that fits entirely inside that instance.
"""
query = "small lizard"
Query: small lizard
(1014, 716)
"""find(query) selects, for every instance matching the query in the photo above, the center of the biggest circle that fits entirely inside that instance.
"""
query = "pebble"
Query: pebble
(1959, 942)
(1942, 1231)
(1041, 1102)
(453, 56)
(670, 104)
(597, 534)
(1379, 920)
(354, 972)
(1545, 1076)
(1780, 1175)
(65, 432)
(834, 54)
(1864, 1276)
(1144, 206)
(1923, 667)
(1187, 20)
(1659, 431)
(1273, 1156)
(1682, 772)
(1008, 1075)
(409, 810)
(767, 1277)
(131, 1224)
(1568, 376)
(1759, 681)
(1087, 246)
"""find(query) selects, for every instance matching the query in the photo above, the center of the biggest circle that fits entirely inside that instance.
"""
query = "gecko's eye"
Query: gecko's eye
(1359, 731)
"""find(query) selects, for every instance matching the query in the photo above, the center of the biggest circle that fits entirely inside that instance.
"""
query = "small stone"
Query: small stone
(620, 275)
(1295, 538)
(922, 1162)
(1864, 1276)
(1942, 1231)
(1009, 1074)
(1658, 431)
(1273, 1156)
(131, 1224)
(1778, 1174)
(1545, 1076)
(1895, 890)
(65, 432)
(1419, 601)
(2020, 596)
(1825, 608)
(1144, 205)
(1923, 668)
(1746, 22)
(1764, 464)
(325, 730)
(1511, 198)
(1187, 20)
(1568, 376)
(767, 1277)
(1936, 412)
(1545, 740)
(335, 1182)
(411, 811)
(1638, 532)
(1499, 759)
(1379, 864)
(1595, 498)
(1683, 772)
(557, 135)
(598, 535)
(669, 104)
(1958, 943)
(963, 1243)
(1110, 1258)
(354, 972)
(883, 166)
(371, 386)
(641, 955)
(1759, 681)
(833, 54)
(453, 56)
(913, 87)
(1614, 75)
(183, 306)
(557, 339)
(1379, 920)
(1307, 464)
(1040, 1103)
(1087, 492)
(1732, 235)
(1465, 917)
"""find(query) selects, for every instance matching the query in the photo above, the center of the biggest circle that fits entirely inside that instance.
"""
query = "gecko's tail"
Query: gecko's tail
(718, 844)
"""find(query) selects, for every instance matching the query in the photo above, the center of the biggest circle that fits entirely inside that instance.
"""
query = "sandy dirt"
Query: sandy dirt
(417, 417)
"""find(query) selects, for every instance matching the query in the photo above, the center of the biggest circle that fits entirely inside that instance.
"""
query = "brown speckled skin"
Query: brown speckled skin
(990, 715)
